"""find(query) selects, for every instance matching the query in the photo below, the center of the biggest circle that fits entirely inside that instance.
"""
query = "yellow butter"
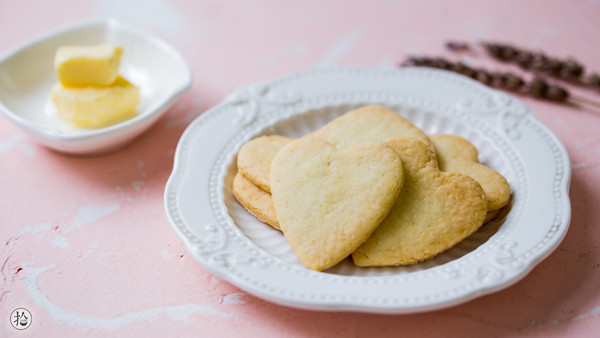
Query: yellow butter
(94, 107)
(78, 66)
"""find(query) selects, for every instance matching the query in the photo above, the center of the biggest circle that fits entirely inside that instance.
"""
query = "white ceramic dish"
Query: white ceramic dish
(224, 238)
(27, 75)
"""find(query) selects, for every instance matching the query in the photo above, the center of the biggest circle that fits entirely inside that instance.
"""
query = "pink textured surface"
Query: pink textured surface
(86, 246)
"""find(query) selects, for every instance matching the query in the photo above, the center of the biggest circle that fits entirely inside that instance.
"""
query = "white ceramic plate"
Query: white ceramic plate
(224, 238)
(27, 75)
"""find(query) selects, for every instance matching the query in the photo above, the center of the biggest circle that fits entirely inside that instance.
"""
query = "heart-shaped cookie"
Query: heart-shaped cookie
(456, 154)
(434, 211)
(254, 159)
(257, 201)
(366, 124)
(329, 201)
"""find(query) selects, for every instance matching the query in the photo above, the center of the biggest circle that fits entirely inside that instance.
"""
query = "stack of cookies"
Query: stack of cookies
(371, 185)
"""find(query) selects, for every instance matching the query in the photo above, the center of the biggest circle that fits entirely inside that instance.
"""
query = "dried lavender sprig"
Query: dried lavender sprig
(569, 68)
(537, 87)
(538, 61)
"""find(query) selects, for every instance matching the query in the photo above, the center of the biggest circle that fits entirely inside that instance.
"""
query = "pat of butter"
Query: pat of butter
(94, 107)
(78, 66)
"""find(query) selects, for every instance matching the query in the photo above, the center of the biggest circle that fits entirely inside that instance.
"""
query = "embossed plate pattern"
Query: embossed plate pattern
(225, 239)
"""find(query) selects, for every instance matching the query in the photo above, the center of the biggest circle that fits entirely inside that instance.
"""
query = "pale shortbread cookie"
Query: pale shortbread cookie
(455, 154)
(329, 201)
(365, 124)
(449, 146)
(255, 200)
(434, 211)
(254, 159)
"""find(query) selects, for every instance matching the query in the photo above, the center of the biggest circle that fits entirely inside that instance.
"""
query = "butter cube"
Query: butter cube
(94, 107)
(78, 66)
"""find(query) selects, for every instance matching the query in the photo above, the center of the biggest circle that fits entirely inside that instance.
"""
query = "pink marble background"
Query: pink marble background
(86, 246)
